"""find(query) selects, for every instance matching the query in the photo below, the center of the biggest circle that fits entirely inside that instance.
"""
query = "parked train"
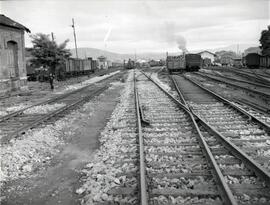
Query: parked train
(130, 64)
(71, 67)
(153, 63)
(184, 63)
(254, 60)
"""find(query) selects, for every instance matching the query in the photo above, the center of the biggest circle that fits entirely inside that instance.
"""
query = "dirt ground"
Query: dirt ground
(57, 182)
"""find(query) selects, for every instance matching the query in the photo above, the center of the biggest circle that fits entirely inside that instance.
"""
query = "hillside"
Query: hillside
(94, 53)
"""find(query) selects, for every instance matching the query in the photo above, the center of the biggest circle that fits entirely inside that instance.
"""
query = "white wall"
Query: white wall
(208, 55)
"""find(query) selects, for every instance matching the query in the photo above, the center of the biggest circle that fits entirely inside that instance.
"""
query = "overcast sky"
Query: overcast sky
(127, 25)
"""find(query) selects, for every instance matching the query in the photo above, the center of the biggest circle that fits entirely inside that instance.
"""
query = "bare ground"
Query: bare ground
(56, 182)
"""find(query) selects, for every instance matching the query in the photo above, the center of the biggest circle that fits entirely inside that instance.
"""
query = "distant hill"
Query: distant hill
(241, 48)
(252, 50)
(94, 53)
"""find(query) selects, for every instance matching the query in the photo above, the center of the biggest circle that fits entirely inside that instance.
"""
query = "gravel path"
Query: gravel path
(43, 167)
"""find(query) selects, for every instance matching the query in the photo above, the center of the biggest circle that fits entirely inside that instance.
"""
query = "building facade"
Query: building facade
(12, 55)
(102, 62)
(207, 54)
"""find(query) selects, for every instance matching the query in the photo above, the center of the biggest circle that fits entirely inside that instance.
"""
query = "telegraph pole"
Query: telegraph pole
(74, 33)
(52, 36)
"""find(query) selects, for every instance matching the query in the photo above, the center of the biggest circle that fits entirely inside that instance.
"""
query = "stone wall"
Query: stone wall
(9, 80)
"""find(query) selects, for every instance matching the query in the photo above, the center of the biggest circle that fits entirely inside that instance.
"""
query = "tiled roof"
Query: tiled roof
(9, 22)
(206, 52)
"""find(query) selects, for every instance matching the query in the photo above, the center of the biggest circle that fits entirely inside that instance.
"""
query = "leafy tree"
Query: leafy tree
(48, 53)
(265, 41)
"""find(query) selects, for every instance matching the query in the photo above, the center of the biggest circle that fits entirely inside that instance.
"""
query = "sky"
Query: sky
(128, 26)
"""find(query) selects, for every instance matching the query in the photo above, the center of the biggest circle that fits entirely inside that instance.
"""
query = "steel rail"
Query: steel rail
(5, 117)
(143, 186)
(250, 75)
(265, 78)
(251, 164)
(235, 85)
(226, 101)
(225, 190)
(252, 105)
(46, 117)
(243, 81)
(178, 91)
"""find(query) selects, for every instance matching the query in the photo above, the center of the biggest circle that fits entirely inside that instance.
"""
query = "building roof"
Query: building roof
(10, 23)
(101, 57)
(207, 52)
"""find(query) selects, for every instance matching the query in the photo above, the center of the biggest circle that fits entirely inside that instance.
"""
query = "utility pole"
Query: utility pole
(52, 69)
(52, 36)
(74, 33)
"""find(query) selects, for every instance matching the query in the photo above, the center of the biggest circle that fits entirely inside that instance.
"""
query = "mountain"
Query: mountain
(240, 48)
(112, 56)
(94, 53)
(252, 50)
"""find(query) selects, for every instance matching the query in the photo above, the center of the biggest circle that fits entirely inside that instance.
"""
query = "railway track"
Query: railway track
(260, 91)
(253, 85)
(246, 75)
(17, 123)
(261, 112)
(243, 129)
(185, 163)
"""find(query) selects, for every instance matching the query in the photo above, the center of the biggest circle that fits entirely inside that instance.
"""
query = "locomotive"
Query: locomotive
(184, 63)
(130, 64)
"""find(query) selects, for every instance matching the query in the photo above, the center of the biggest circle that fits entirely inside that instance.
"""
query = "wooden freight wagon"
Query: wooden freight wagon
(265, 62)
(193, 62)
(176, 63)
(87, 68)
(252, 60)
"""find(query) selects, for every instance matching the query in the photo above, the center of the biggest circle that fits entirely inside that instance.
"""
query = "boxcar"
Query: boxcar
(176, 63)
(193, 62)
(265, 61)
(252, 60)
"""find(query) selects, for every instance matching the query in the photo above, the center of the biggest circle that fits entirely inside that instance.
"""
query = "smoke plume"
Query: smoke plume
(170, 36)
(181, 42)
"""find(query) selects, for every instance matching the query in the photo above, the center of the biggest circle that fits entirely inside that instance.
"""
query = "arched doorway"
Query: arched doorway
(12, 51)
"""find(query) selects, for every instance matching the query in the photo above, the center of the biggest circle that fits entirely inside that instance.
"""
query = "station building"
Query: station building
(102, 62)
(207, 54)
(12, 55)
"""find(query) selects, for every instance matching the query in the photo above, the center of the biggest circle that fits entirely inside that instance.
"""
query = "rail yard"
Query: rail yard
(142, 102)
(180, 138)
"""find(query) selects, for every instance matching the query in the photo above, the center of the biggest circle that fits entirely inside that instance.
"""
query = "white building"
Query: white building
(207, 54)
(102, 62)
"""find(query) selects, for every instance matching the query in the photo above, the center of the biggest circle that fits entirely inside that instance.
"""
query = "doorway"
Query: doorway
(12, 51)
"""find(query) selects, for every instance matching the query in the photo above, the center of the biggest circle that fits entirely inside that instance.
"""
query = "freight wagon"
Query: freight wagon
(184, 63)
(193, 62)
(255, 60)
(252, 60)
(176, 63)
(71, 67)
(265, 61)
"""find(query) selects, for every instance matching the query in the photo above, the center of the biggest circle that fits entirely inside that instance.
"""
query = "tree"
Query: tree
(265, 41)
(47, 53)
